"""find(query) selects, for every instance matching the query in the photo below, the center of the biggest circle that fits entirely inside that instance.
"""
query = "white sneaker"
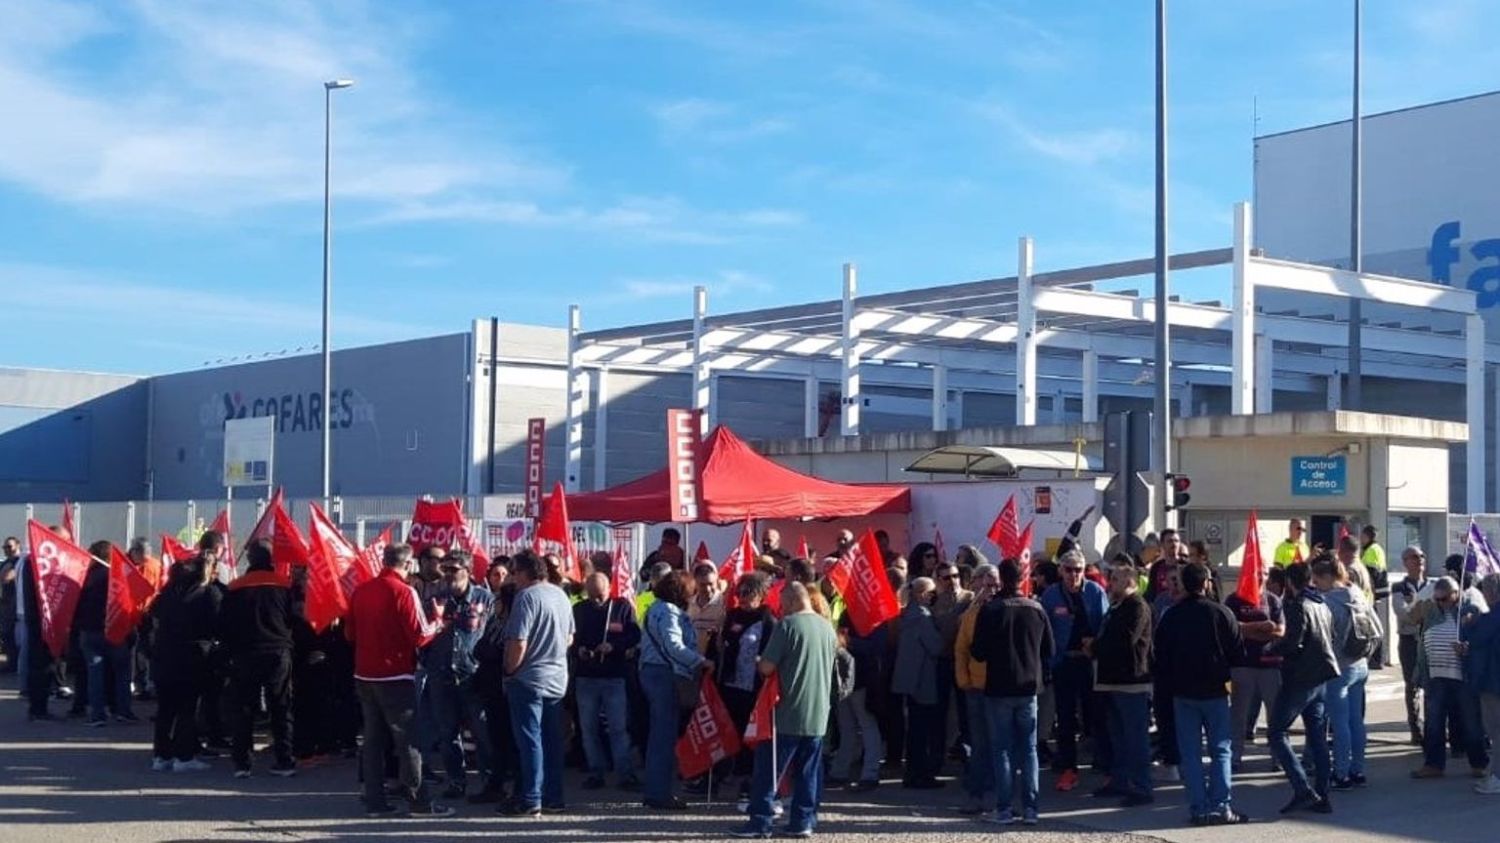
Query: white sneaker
(161, 765)
(776, 809)
(1489, 787)
(192, 766)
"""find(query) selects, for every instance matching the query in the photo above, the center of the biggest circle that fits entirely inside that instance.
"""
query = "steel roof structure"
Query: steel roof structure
(1011, 334)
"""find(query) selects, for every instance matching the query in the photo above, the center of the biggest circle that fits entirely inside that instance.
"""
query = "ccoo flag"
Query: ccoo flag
(1252, 566)
(861, 579)
(1005, 532)
(57, 570)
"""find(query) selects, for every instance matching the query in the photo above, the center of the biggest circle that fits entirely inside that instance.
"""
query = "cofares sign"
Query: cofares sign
(1320, 476)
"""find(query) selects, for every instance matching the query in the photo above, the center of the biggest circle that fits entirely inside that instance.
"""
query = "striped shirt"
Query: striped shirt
(1437, 641)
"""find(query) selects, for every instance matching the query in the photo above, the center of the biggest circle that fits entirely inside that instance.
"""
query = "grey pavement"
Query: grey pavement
(61, 781)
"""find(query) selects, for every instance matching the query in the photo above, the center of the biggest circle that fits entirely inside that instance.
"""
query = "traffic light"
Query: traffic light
(1178, 485)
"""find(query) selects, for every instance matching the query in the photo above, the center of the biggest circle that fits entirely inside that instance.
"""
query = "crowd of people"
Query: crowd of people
(1135, 670)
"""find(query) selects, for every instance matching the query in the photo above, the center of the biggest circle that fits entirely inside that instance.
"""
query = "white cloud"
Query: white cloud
(711, 121)
(729, 283)
(1078, 148)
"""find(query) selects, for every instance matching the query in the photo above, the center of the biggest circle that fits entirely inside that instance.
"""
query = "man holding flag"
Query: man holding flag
(1254, 673)
(800, 656)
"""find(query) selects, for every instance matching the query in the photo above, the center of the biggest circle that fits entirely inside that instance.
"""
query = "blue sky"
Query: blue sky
(161, 163)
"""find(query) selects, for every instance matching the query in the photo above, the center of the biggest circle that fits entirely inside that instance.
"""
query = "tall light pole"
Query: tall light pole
(328, 89)
(1354, 395)
(1161, 424)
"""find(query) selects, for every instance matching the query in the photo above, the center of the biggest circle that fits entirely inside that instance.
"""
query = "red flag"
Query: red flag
(228, 562)
(741, 560)
(710, 737)
(130, 595)
(1005, 532)
(621, 575)
(443, 525)
(773, 597)
(860, 578)
(763, 717)
(937, 544)
(57, 570)
(555, 535)
(702, 554)
(1023, 555)
(803, 551)
(1252, 565)
(288, 547)
(67, 520)
(1344, 531)
(174, 552)
(371, 559)
(265, 528)
(331, 558)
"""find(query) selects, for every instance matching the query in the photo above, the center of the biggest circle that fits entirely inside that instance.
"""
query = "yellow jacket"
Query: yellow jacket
(967, 672)
(1289, 551)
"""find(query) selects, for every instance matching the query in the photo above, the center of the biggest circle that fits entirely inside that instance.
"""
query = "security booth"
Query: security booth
(1326, 469)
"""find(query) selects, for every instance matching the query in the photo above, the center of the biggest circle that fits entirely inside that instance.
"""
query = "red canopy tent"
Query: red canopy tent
(737, 483)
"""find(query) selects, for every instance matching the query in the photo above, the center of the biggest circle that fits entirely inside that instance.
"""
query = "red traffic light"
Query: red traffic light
(1181, 483)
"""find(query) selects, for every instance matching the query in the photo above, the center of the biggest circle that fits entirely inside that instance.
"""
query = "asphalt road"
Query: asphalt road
(61, 781)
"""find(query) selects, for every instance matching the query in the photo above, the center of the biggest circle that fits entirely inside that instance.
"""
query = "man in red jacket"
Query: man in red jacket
(387, 625)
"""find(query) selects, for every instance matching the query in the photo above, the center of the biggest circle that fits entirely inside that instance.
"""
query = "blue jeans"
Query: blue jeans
(802, 759)
(536, 722)
(979, 770)
(662, 719)
(1344, 697)
(1309, 704)
(106, 660)
(607, 697)
(1195, 719)
(1130, 737)
(1012, 722)
(451, 703)
(1446, 700)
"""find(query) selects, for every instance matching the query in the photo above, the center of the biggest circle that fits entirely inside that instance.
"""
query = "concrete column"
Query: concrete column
(940, 397)
(1026, 383)
(1059, 407)
(1243, 380)
(1091, 386)
(853, 400)
(1474, 461)
(1335, 387)
(1185, 408)
(1263, 386)
(601, 426)
(810, 414)
(702, 397)
(578, 388)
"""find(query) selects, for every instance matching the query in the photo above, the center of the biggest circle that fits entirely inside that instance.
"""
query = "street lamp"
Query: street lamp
(328, 89)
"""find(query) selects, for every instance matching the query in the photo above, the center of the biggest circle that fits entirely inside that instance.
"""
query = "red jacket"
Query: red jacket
(387, 625)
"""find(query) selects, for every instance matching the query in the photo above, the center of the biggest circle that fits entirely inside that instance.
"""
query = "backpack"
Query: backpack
(1365, 633)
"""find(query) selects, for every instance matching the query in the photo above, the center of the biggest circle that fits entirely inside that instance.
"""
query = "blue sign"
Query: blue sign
(1319, 476)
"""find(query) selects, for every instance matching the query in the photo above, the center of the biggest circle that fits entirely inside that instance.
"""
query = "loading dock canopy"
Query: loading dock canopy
(987, 461)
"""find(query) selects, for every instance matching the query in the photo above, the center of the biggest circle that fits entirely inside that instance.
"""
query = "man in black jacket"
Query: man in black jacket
(606, 632)
(1195, 646)
(1014, 639)
(1122, 656)
(257, 620)
(1307, 661)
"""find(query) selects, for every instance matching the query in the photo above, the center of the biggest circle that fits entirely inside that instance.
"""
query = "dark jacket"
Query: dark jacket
(1059, 612)
(1306, 650)
(1014, 639)
(1123, 648)
(915, 672)
(1482, 664)
(1196, 644)
(88, 615)
(465, 619)
(259, 615)
(595, 624)
(187, 616)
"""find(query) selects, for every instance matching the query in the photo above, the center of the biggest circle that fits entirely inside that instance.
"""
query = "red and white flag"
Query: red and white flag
(773, 597)
(710, 736)
(288, 547)
(1252, 565)
(1023, 556)
(762, 723)
(372, 558)
(1005, 532)
(330, 561)
(265, 528)
(67, 521)
(937, 545)
(443, 525)
(58, 568)
(741, 561)
(803, 551)
(621, 574)
(684, 442)
(702, 554)
(860, 577)
(554, 534)
(130, 595)
(228, 564)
